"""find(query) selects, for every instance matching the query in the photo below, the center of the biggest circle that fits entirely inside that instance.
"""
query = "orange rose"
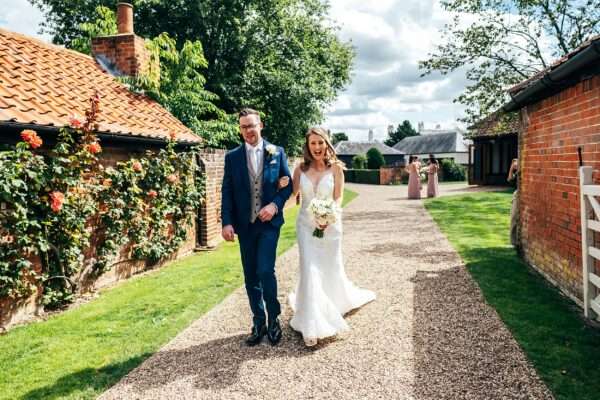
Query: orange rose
(75, 122)
(56, 201)
(152, 194)
(137, 166)
(94, 148)
(32, 138)
(172, 178)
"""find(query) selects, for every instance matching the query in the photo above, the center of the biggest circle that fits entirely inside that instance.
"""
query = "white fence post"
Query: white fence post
(589, 205)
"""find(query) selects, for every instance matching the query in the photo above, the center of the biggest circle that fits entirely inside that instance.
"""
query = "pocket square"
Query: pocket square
(273, 162)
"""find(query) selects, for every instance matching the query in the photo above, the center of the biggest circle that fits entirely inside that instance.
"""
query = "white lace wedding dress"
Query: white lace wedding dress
(324, 293)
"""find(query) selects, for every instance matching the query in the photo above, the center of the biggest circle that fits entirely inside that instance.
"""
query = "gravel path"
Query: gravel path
(429, 334)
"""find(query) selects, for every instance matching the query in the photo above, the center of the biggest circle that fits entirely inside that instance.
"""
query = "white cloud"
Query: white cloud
(20, 16)
(390, 37)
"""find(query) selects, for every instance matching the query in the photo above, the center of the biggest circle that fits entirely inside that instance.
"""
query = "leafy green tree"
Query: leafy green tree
(104, 24)
(503, 42)
(279, 56)
(178, 84)
(338, 137)
(359, 161)
(402, 131)
(375, 159)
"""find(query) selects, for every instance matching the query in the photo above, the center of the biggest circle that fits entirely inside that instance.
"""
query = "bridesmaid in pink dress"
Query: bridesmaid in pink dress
(414, 179)
(432, 177)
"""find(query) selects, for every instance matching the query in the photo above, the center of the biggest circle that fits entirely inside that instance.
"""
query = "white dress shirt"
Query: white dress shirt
(255, 155)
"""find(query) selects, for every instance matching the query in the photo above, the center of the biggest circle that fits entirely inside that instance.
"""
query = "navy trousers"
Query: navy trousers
(258, 248)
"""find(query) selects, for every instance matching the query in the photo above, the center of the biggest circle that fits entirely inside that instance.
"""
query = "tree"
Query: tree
(338, 137)
(178, 85)
(374, 159)
(403, 130)
(104, 24)
(279, 56)
(359, 161)
(501, 43)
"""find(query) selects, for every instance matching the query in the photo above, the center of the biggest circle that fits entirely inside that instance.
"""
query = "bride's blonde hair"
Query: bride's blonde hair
(330, 156)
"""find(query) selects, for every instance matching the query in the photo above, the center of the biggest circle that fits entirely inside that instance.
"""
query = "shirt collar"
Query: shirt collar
(258, 146)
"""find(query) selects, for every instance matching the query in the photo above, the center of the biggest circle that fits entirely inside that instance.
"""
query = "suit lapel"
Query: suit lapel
(244, 169)
(265, 166)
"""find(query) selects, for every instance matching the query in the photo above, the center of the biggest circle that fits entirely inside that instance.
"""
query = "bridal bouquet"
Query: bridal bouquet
(323, 212)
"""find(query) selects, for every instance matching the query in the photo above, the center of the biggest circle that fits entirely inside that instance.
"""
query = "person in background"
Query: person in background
(414, 178)
(432, 177)
(513, 175)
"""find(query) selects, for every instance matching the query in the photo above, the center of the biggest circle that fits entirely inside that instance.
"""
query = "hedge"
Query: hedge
(370, 176)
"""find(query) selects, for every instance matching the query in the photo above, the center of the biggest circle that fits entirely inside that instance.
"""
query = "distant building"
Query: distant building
(442, 144)
(347, 149)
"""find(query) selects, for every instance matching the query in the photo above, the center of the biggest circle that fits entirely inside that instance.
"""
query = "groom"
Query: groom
(252, 208)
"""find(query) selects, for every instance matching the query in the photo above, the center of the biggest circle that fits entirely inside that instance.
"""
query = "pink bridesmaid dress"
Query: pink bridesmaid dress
(432, 181)
(414, 181)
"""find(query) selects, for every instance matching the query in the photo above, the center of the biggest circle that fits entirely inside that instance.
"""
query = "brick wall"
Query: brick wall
(13, 312)
(126, 51)
(549, 187)
(389, 175)
(209, 229)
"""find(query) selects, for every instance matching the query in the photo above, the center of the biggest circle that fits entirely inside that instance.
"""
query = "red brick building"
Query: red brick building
(560, 112)
(42, 86)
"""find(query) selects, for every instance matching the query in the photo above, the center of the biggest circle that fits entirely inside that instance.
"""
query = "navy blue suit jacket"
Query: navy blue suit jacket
(235, 192)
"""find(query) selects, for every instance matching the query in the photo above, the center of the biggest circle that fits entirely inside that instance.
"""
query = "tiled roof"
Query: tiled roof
(347, 147)
(449, 142)
(496, 124)
(42, 84)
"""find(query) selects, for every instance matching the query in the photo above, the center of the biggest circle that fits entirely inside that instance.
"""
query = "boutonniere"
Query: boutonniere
(271, 149)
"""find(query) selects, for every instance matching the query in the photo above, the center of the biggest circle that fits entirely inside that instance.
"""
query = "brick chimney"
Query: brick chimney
(124, 53)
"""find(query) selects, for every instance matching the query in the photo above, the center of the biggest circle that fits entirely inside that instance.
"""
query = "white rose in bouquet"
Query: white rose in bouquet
(323, 212)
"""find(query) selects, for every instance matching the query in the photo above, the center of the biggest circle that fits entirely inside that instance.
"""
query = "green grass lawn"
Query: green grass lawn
(81, 352)
(549, 328)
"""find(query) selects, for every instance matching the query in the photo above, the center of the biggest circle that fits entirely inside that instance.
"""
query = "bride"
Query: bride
(324, 293)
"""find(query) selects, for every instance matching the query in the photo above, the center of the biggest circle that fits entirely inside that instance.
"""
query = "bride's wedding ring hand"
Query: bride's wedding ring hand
(283, 182)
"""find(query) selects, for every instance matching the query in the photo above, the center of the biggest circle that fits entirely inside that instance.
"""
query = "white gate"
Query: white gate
(590, 215)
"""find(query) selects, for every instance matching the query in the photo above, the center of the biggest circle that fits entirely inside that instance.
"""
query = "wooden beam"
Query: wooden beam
(594, 252)
(595, 279)
(595, 206)
(594, 225)
(591, 190)
(595, 305)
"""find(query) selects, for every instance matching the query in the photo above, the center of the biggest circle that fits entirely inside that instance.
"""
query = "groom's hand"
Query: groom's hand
(228, 233)
(267, 212)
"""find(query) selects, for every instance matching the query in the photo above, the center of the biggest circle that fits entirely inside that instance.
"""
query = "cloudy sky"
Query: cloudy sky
(389, 36)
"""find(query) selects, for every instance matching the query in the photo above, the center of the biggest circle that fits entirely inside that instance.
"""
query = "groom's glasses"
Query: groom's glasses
(246, 127)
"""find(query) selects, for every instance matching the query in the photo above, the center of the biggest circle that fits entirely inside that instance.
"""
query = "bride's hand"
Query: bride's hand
(283, 182)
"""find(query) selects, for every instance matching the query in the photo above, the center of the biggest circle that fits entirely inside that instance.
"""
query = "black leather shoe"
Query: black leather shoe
(258, 332)
(274, 332)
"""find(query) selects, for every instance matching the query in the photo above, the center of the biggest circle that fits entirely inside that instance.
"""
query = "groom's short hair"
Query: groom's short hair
(244, 112)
